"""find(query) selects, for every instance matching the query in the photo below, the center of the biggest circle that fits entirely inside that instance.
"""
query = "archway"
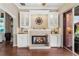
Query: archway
(6, 27)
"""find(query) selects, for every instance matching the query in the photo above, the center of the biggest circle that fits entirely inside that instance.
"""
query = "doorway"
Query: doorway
(8, 29)
(67, 29)
(76, 29)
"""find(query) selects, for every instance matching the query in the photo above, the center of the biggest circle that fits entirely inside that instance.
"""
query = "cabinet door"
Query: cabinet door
(53, 19)
(53, 41)
(19, 42)
(21, 19)
(24, 19)
(22, 40)
(59, 41)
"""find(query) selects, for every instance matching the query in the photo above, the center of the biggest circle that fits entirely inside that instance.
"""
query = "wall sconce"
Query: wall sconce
(69, 30)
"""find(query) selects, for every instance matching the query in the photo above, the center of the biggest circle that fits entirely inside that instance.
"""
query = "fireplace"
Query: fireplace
(40, 39)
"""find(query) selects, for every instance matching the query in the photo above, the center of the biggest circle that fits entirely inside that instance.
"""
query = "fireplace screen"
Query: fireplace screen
(39, 40)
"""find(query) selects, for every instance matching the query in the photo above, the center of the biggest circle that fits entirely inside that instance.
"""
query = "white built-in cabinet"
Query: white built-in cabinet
(53, 19)
(22, 40)
(55, 40)
(24, 19)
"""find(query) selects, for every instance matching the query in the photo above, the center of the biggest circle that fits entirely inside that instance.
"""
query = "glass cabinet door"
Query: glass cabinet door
(53, 19)
(24, 19)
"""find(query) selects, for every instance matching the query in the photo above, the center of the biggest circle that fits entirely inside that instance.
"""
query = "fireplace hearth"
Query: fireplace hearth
(39, 39)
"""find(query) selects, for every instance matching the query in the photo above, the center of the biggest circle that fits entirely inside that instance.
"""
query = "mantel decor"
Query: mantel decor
(39, 20)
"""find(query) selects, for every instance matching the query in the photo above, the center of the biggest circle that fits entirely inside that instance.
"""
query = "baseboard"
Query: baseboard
(56, 47)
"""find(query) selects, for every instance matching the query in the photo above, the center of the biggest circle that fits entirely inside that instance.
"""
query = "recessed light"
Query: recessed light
(23, 4)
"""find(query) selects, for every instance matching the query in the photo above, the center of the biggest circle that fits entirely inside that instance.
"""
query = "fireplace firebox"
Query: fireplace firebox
(39, 39)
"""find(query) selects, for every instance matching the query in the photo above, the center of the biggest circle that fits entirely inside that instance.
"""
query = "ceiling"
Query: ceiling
(52, 6)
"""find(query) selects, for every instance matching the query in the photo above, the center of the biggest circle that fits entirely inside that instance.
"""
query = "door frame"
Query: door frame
(64, 27)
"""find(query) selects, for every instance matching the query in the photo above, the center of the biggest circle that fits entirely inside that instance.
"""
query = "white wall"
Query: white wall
(11, 9)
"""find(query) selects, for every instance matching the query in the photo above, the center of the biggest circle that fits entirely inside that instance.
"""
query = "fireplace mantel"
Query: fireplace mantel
(39, 31)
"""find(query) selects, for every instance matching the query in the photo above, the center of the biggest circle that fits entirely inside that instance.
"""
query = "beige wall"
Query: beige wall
(67, 6)
(44, 23)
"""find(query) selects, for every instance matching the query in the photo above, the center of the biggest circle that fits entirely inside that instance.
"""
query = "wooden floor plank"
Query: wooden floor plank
(8, 50)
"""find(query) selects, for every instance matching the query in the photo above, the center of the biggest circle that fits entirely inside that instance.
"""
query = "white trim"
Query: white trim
(39, 12)
(73, 30)
(72, 20)
(76, 54)
(71, 51)
(62, 30)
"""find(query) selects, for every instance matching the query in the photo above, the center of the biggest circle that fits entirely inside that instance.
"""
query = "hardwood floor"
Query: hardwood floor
(8, 50)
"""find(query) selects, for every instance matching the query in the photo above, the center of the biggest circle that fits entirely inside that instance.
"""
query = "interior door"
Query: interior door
(67, 29)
